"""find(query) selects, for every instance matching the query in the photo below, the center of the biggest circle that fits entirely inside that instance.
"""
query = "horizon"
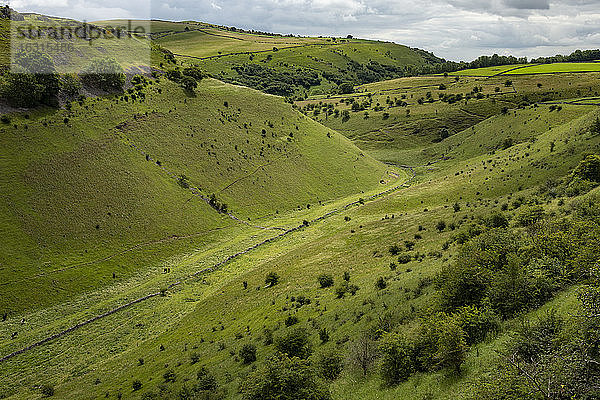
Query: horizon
(532, 29)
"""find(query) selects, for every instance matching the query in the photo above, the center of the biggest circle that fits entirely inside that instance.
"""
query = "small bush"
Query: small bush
(325, 281)
(295, 343)
(330, 365)
(136, 385)
(47, 390)
(248, 353)
(169, 376)
(104, 73)
(272, 279)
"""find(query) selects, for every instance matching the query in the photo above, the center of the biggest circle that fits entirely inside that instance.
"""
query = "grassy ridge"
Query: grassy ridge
(118, 199)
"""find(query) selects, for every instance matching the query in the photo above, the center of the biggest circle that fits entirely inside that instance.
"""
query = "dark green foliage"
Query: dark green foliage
(47, 390)
(440, 226)
(33, 81)
(169, 376)
(397, 358)
(248, 353)
(291, 320)
(188, 83)
(346, 88)
(341, 289)
(272, 81)
(380, 284)
(330, 364)
(284, 378)
(589, 168)
(497, 220)
(325, 281)
(477, 323)
(272, 279)
(323, 335)
(294, 343)
(70, 85)
(395, 249)
(104, 73)
(205, 380)
(404, 258)
(136, 385)
(194, 72)
(530, 215)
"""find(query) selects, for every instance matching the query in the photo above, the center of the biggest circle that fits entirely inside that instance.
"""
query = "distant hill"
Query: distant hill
(287, 65)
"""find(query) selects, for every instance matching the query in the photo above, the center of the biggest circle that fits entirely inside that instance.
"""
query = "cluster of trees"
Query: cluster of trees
(34, 80)
(270, 80)
(188, 78)
(576, 56)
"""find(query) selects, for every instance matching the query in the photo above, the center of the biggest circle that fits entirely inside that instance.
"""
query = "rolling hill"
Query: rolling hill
(170, 243)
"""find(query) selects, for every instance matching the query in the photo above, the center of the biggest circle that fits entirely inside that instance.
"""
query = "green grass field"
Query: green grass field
(557, 68)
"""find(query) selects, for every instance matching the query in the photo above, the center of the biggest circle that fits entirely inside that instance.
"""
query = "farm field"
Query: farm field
(557, 68)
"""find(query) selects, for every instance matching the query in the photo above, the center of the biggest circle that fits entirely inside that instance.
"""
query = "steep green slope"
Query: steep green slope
(81, 186)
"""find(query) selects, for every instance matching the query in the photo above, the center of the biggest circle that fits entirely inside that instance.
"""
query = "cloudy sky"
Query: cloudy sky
(453, 29)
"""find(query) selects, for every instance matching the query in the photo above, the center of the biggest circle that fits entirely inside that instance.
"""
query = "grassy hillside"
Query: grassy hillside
(77, 193)
(401, 121)
(207, 320)
(287, 65)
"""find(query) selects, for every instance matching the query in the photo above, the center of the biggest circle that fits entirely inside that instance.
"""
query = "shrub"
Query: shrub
(380, 284)
(169, 376)
(188, 83)
(440, 226)
(395, 249)
(70, 85)
(589, 168)
(5, 119)
(347, 276)
(194, 72)
(323, 335)
(530, 215)
(330, 364)
(47, 390)
(104, 73)
(404, 258)
(396, 358)
(341, 289)
(284, 377)
(477, 323)
(272, 279)
(497, 220)
(294, 343)
(194, 358)
(136, 385)
(291, 320)
(206, 381)
(248, 353)
(325, 281)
